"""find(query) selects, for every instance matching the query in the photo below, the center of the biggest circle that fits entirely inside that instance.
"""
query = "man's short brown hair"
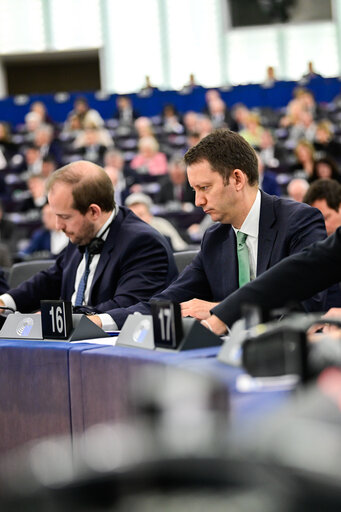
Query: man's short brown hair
(90, 185)
(225, 151)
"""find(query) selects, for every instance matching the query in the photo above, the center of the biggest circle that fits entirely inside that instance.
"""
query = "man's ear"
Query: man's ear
(239, 179)
(94, 210)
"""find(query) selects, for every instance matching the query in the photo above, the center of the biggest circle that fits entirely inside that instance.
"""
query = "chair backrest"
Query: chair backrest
(184, 258)
(20, 272)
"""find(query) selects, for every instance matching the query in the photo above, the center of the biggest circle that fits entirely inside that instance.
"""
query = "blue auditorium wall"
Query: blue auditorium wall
(14, 108)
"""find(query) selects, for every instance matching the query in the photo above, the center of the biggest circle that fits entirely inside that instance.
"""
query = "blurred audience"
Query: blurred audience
(175, 190)
(297, 188)
(141, 205)
(149, 160)
(46, 242)
(325, 168)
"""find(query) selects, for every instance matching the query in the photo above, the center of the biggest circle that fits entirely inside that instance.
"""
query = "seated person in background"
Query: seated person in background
(122, 177)
(305, 155)
(37, 198)
(325, 168)
(267, 179)
(196, 231)
(10, 233)
(113, 259)
(91, 145)
(141, 205)
(311, 73)
(125, 113)
(326, 196)
(223, 171)
(40, 108)
(48, 146)
(86, 116)
(190, 120)
(47, 241)
(7, 148)
(270, 78)
(253, 130)
(175, 188)
(171, 120)
(217, 111)
(144, 127)
(32, 162)
(149, 160)
(147, 89)
(297, 189)
(325, 143)
(48, 166)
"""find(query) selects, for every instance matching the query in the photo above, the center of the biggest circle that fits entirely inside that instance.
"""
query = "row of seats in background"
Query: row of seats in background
(143, 154)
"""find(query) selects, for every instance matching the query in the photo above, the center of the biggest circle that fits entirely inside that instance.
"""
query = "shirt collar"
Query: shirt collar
(250, 225)
(106, 224)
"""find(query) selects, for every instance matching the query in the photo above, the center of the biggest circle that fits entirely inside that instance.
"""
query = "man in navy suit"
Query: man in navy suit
(128, 260)
(223, 171)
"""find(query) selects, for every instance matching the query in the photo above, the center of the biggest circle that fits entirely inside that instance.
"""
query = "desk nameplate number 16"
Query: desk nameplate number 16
(56, 319)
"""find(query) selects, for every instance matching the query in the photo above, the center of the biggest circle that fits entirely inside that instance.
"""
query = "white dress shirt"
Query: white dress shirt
(250, 227)
(107, 321)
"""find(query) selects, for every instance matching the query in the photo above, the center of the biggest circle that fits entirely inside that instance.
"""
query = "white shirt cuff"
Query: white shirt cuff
(108, 324)
(8, 302)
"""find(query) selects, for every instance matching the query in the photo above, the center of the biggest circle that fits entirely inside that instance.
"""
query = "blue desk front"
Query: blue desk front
(57, 388)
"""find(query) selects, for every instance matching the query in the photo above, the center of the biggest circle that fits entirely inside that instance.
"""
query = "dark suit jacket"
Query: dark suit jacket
(285, 227)
(135, 263)
(296, 278)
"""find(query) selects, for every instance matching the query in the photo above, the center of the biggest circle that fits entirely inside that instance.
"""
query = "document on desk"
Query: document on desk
(247, 384)
(111, 340)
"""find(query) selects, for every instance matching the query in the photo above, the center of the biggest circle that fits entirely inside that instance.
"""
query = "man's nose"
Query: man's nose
(199, 199)
(59, 223)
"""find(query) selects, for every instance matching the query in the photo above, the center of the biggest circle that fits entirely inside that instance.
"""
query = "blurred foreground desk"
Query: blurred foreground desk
(34, 390)
(58, 388)
(100, 380)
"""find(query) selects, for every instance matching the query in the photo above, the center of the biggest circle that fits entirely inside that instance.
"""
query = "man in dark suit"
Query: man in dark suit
(222, 169)
(295, 278)
(125, 259)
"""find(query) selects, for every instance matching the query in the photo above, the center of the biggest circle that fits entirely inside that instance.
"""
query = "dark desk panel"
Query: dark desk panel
(100, 380)
(34, 390)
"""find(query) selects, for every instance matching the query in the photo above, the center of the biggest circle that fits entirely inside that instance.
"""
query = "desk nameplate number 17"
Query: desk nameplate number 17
(56, 319)
(167, 324)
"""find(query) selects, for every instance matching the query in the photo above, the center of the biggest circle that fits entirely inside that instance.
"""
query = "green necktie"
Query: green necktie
(243, 259)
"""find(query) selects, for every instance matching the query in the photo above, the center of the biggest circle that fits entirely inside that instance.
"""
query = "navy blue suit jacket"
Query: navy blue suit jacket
(285, 227)
(135, 263)
(295, 278)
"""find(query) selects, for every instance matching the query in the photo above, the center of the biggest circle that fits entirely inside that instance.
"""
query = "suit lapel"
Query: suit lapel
(107, 250)
(229, 262)
(267, 232)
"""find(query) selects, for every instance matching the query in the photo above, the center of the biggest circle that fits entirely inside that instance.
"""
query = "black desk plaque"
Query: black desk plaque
(56, 319)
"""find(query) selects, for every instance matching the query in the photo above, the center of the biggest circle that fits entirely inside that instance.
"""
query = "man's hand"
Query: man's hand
(1, 304)
(215, 325)
(95, 319)
(197, 308)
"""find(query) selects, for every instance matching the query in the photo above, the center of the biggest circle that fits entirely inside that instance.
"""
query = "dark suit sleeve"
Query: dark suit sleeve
(293, 279)
(191, 283)
(147, 266)
(3, 282)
